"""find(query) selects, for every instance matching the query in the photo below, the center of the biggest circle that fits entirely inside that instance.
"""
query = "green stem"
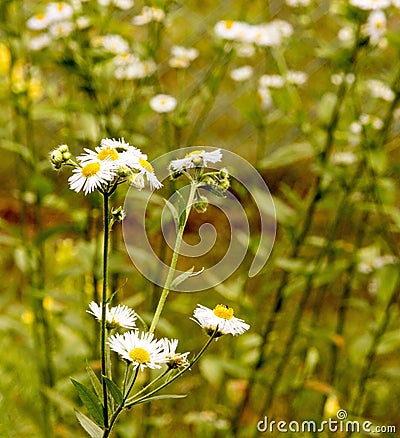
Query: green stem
(106, 215)
(174, 260)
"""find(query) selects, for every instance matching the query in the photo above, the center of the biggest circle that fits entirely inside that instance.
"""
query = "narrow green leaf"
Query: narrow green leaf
(114, 390)
(95, 383)
(91, 428)
(181, 278)
(158, 397)
(91, 401)
(287, 154)
(173, 211)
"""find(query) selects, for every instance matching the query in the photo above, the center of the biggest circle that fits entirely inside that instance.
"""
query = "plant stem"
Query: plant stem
(106, 216)
(174, 259)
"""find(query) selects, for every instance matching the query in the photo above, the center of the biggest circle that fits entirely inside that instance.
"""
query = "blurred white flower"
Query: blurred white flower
(231, 30)
(346, 34)
(265, 96)
(118, 316)
(114, 44)
(296, 77)
(59, 11)
(245, 50)
(124, 4)
(39, 42)
(298, 3)
(371, 4)
(182, 56)
(380, 90)
(163, 103)
(375, 27)
(242, 73)
(61, 29)
(271, 81)
(38, 22)
(83, 22)
(344, 158)
(220, 318)
(142, 350)
(147, 15)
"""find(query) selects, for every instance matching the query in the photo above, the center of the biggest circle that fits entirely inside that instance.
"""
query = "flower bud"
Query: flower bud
(201, 204)
(117, 215)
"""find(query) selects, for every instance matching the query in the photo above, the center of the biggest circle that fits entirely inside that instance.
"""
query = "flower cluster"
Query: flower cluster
(110, 164)
(55, 21)
(263, 35)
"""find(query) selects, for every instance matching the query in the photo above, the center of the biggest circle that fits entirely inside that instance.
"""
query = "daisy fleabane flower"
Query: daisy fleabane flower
(90, 176)
(175, 360)
(144, 168)
(219, 319)
(163, 103)
(375, 27)
(142, 350)
(197, 158)
(118, 316)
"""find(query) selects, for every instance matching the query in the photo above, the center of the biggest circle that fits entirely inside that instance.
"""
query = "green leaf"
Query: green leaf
(173, 211)
(181, 278)
(158, 397)
(286, 155)
(114, 390)
(98, 388)
(18, 148)
(91, 428)
(91, 401)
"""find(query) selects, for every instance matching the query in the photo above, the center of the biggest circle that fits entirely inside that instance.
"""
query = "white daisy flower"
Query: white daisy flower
(175, 360)
(59, 11)
(90, 176)
(118, 316)
(345, 158)
(144, 168)
(231, 30)
(163, 103)
(375, 27)
(220, 318)
(38, 22)
(142, 350)
(264, 35)
(369, 5)
(198, 158)
(298, 3)
(117, 152)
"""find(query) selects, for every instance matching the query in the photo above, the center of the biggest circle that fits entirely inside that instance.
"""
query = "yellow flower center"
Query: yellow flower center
(40, 16)
(223, 311)
(108, 153)
(228, 24)
(60, 6)
(139, 355)
(146, 165)
(378, 24)
(90, 169)
(194, 153)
